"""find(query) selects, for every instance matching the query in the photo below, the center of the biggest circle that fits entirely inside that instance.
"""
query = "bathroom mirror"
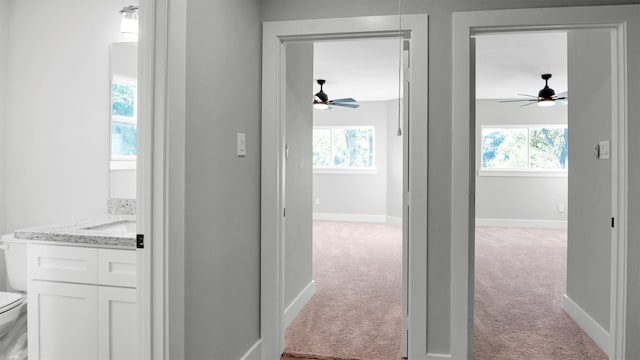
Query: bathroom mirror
(123, 127)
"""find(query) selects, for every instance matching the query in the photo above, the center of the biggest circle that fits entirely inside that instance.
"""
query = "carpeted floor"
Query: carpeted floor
(356, 311)
(520, 281)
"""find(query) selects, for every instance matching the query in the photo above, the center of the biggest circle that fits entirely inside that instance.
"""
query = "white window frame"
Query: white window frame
(347, 170)
(523, 172)
(128, 162)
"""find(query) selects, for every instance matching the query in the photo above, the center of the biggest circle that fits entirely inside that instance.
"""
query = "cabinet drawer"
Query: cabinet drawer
(117, 267)
(62, 263)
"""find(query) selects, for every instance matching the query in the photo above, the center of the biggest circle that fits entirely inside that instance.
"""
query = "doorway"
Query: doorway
(277, 35)
(522, 192)
(344, 168)
(470, 25)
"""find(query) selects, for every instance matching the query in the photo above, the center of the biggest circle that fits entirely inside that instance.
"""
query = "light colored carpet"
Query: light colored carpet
(520, 280)
(356, 312)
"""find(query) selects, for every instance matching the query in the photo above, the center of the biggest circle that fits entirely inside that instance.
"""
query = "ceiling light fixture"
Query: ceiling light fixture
(129, 21)
(546, 96)
(546, 102)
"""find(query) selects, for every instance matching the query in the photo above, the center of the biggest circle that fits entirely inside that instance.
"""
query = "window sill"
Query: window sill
(123, 165)
(372, 171)
(521, 173)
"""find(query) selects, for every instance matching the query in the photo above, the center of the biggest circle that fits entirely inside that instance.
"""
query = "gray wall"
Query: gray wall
(298, 177)
(363, 194)
(222, 208)
(633, 200)
(394, 162)
(518, 197)
(589, 245)
(440, 113)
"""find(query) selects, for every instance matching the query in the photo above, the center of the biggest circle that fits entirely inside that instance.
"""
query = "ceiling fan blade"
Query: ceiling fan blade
(505, 101)
(353, 106)
(533, 96)
(343, 100)
(562, 98)
(531, 103)
(563, 94)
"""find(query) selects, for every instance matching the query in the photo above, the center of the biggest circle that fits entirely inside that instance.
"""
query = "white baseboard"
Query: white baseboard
(598, 334)
(392, 220)
(554, 224)
(358, 218)
(298, 303)
(432, 356)
(255, 353)
(350, 217)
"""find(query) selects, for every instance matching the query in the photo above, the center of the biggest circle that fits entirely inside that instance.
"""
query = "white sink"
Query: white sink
(128, 226)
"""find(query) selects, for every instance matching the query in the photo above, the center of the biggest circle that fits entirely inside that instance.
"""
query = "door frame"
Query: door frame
(275, 34)
(466, 24)
(144, 207)
(160, 204)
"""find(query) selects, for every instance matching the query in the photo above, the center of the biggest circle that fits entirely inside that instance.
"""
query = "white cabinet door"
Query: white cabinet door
(117, 323)
(62, 321)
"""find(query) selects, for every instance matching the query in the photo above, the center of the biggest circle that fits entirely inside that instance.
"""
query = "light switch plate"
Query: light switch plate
(241, 145)
(604, 150)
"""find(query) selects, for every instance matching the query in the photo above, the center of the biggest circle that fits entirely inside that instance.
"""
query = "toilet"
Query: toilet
(12, 304)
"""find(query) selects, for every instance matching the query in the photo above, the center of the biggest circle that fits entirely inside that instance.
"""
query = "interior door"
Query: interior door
(298, 221)
(590, 117)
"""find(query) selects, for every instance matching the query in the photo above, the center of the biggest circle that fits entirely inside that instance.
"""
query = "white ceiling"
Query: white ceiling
(506, 65)
(366, 70)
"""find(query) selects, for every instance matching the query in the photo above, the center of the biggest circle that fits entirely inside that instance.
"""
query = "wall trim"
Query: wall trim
(532, 223)
(596, 332)
(393, 220)
(254, 353)
(298, 303)
(432, 356)
(350, 217)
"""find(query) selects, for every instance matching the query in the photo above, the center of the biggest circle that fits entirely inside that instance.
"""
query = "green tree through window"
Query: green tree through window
(124, 129)
(344, 148)
(549, 148)
(123, 99)
(524, 148)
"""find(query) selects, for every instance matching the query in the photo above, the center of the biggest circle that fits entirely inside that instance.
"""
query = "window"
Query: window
(524, 148)
(343, 148)
(124, 122)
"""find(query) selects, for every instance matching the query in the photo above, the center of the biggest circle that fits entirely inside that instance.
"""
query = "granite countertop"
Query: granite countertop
(103, 231)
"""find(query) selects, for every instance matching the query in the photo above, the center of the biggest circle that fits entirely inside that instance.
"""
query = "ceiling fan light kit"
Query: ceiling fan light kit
(321, 100)
(546, 102)
(546, 96)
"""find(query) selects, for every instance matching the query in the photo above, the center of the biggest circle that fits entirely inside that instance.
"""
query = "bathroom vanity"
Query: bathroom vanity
(82, 289)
